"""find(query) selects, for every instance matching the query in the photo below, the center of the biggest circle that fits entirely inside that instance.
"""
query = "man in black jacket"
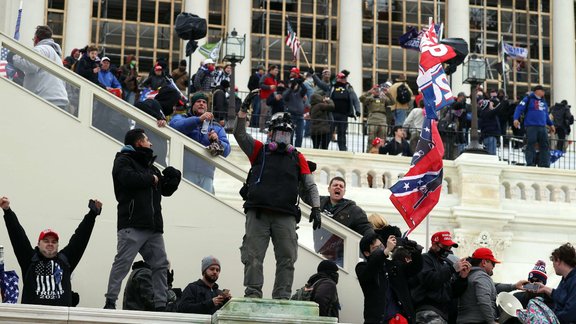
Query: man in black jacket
(203, 295)
(436, 292)
(324, 290)
(344, 211)
(384, 282)
(46, 270)
(139, 187)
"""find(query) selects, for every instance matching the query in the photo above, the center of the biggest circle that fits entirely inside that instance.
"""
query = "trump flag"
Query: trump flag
(416, 194)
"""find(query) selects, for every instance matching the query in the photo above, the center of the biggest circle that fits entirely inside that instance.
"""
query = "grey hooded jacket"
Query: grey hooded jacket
(478, 302)
(41, 82)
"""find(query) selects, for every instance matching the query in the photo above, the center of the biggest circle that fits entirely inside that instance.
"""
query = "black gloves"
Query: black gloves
(357, 114)
(170, 278)
(311, 71)
(93, 208)
(171, 172)
(248, 100)
(316, 218)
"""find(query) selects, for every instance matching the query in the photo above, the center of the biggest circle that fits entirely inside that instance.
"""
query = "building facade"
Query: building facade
(358, 35)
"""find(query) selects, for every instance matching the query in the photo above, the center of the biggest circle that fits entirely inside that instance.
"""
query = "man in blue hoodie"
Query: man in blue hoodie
(199, 125)
(107, 78)
(534, 109)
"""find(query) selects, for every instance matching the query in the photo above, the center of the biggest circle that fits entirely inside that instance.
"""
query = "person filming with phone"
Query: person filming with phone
(203, 295)
(46, 270)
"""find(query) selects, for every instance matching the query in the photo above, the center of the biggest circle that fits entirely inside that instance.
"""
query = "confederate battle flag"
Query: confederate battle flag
(416, 194)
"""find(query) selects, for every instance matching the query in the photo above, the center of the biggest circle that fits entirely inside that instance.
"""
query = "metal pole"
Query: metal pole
(231, 100)
(474, 146)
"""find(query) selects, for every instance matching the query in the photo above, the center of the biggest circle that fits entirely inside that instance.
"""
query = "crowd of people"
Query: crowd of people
(400, 283)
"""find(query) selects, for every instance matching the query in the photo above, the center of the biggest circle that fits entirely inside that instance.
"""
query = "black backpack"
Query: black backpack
(306, 293)
(403, 94)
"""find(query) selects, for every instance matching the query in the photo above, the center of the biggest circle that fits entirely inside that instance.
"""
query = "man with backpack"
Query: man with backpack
(402, 95)
(562, 118)
(534, 110)
(321, 288)
(46, 270)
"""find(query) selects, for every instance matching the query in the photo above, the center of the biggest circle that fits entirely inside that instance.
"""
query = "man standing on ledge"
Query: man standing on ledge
(139, 187)
(271, 202)
(534, 110)
(46, 270)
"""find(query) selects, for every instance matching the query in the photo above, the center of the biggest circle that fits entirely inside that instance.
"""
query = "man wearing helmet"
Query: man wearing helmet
(271, 202)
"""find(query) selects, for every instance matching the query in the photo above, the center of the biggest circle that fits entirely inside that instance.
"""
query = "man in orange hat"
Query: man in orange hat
(45, 269)
(433, 298)
(477, 304)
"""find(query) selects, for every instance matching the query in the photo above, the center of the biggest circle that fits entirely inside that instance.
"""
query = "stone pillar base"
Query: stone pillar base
(254, 310)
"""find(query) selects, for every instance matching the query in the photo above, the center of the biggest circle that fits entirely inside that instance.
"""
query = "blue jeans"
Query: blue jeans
(255, 112)
(537, 135)
(298, 130)
(399, 116)
(490, 144)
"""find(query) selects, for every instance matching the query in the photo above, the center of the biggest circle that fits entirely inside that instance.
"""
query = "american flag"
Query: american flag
(9, 285)
(3, 62)
(292, 41)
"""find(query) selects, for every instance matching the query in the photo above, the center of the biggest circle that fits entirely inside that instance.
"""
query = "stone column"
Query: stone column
(77, 25)
(240, 17)
(32, 16)
(350, 45)
(458, 25)
(200, 8)
(563, 56)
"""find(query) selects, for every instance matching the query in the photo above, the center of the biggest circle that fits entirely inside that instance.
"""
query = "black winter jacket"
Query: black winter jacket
(377, 274)
(53, 274)
(347, 213)
(325, 293)
(85, 67)
(138, 199)
(436, 286)
(139, 293)
(197, 298)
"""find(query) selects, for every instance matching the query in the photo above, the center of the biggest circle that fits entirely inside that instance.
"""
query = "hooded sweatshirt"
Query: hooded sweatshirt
(41, 82)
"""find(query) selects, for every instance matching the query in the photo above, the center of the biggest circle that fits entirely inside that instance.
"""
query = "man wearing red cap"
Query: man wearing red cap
(477, 304)
(434, 297)
(46, 270)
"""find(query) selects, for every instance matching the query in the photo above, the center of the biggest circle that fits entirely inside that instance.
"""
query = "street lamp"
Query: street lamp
(234, 53)
(474, 73)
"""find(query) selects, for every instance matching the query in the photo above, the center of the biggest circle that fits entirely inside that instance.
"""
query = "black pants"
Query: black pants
(561, 133)
(321, 141)
(341, 126)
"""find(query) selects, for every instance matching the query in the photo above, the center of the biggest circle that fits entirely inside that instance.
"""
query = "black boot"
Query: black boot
(110, 304)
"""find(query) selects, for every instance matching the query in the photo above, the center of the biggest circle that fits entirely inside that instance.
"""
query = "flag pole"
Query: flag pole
(503, 64)
(305, 58)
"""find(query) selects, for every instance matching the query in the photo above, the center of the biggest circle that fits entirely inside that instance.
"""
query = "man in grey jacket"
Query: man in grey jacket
(38, 80)
(477, 304)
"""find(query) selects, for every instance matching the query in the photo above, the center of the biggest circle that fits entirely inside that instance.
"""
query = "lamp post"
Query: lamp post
(474, 73)
(234, 53)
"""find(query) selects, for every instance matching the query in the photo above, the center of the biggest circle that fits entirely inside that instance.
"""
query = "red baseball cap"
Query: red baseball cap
(484, 254)
(158, 67)
(444, 238)
(341, 75)
(295, 70)
(47, 232)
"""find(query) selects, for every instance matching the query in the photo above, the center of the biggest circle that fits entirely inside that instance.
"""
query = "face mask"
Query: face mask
(281, 137)
(133, 63)
(443, 253)
(280, 89)
(211, 68)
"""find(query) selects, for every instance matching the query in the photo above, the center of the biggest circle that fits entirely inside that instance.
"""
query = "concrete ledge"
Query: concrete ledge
(18, 313)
